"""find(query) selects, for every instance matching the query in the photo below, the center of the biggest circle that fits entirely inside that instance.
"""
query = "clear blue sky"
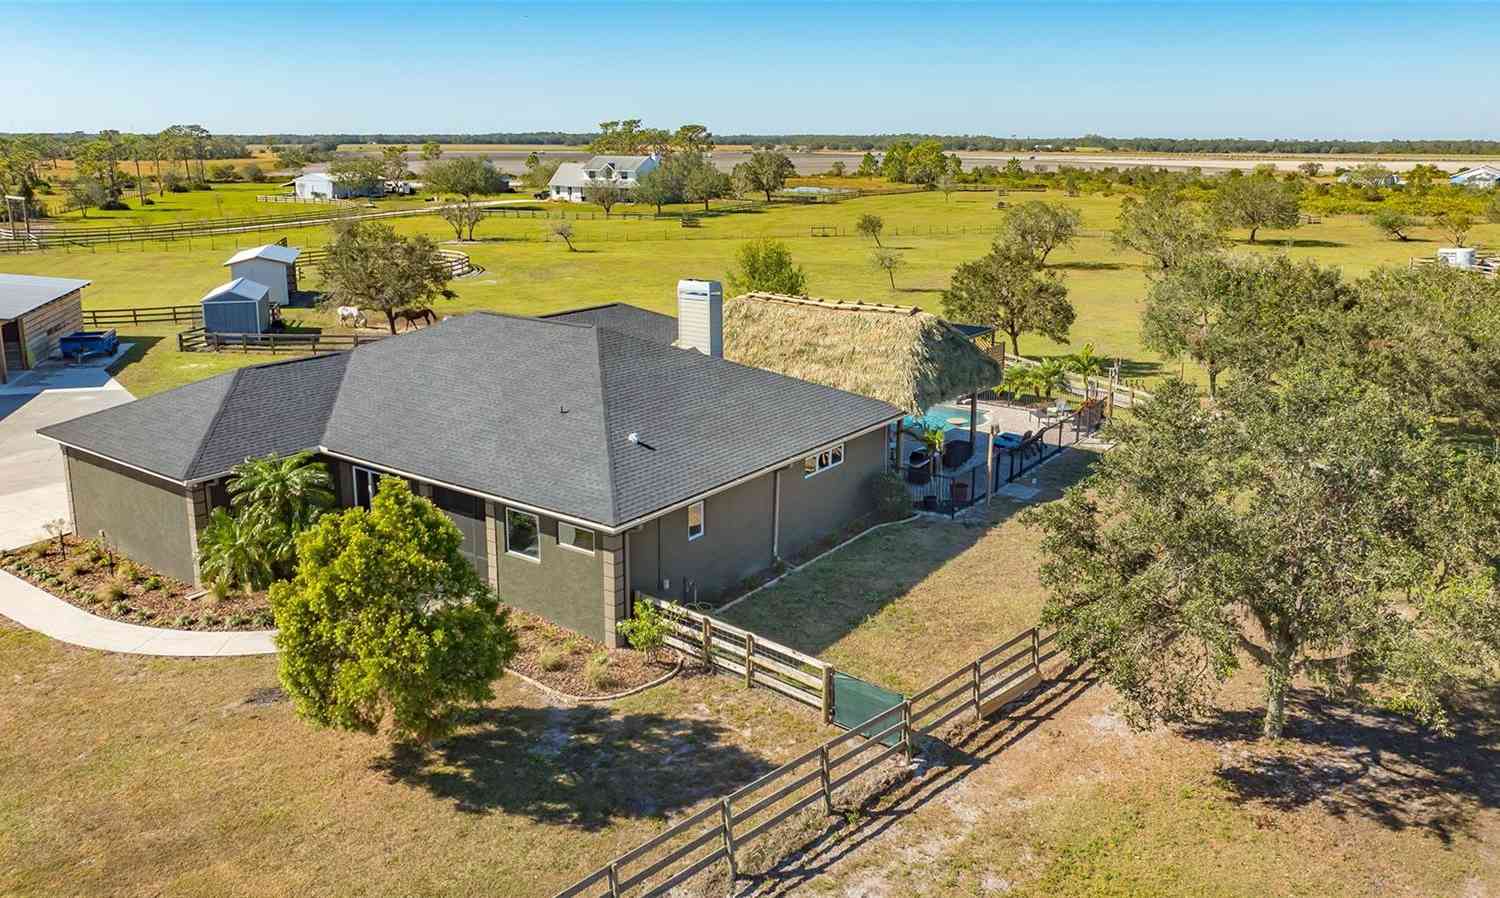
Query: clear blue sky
(1266, 69)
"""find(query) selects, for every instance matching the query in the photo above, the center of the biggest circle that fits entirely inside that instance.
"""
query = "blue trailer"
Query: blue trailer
(79, 345)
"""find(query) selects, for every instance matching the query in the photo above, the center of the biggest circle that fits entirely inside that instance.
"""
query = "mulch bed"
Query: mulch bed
(133, 592)
(562, 659)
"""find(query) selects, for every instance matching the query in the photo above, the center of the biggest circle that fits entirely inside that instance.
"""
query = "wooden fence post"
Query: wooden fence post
(826, 778)
(728, 818)
(975, 668)
(1036, 651)
(614, 881)
(906, 729)
(749, 660)
(828, 694)
(708, 643)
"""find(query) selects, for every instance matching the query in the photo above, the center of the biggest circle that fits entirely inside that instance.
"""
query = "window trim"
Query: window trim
(702, 520)
(821, 465)
(372, 478)
(513, 553)
(568, 544)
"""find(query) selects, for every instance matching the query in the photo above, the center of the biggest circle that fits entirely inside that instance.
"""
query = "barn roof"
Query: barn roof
(237, 290)
(272, 251)
(21, 293)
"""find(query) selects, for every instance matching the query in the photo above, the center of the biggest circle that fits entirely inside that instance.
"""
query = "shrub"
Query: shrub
(113, 591)
(552, 658)
(598, 674)
(184, 621)
(119, 609)
(891, 498)
(646, 629)
(263, 619)
(78, 567)
(218, 591)
(131, 572)
(153, 583)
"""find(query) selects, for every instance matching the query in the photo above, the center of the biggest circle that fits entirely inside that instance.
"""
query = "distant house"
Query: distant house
(1371, 179)
(623, 171)
(273, 265)
(35, 313)
(322, 185)
(1481, 177)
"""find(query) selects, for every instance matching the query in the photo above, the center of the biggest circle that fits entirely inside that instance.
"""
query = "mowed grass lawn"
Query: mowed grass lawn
(133, 776)
(640, 261)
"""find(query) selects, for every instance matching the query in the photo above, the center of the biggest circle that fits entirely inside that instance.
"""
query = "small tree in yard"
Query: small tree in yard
(386, 621)
(370, 266)
(766, 266)
(1163, 226)
(462, 217)
(1040, 228)
(1257, 202)
(1004, 289)
(604, 194)
(870, 225)
(764, 172)
(646, 630)
(1313, 528)
(1393, 223)
(887, 261)
(466, 177)
(85, 192)
(1455, 223)
(563, 230)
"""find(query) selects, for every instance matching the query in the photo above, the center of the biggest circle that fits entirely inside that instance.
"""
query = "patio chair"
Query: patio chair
(919, 475)
(956, 452)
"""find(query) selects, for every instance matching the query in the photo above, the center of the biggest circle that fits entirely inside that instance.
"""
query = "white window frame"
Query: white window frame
(567, 542)
(513, 553)
(372, 485)
(825, 460)
(702, 521)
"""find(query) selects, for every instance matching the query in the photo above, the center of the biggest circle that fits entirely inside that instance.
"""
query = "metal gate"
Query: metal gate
(856, 701)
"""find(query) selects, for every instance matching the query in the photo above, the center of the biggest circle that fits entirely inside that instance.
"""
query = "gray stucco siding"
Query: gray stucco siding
(147, 518)
(563, 586)
(735, 545)
(813, 508)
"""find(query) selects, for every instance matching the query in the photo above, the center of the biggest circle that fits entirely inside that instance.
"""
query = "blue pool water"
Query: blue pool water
(937, 416)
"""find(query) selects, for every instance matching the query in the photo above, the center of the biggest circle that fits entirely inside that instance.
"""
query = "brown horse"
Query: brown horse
(412, 316)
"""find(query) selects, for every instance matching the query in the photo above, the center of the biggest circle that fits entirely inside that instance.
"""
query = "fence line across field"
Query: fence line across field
(1001, 676)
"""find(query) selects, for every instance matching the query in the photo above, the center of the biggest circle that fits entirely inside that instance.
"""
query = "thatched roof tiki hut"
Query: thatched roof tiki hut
(901, 354)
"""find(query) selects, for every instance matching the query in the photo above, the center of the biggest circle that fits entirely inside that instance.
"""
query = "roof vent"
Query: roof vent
(700, 316)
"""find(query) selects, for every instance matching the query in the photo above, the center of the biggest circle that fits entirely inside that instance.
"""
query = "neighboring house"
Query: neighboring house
(273, 265)
(1371, 179)
(571, 178)
(240, 306)
(1482, 177)
(322, 185)
(581, 462)
(36, 313)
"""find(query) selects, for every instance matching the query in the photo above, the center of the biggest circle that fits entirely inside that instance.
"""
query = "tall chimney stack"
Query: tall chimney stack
(700, 316)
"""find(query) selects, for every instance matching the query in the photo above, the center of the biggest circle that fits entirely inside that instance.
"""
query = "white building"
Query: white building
(321, 184)
(622, 171)
(1481, 177)
(273, 265)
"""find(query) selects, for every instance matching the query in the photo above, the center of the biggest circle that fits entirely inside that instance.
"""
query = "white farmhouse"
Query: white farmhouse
(1481, 177)
(622, 171)
(322, 185)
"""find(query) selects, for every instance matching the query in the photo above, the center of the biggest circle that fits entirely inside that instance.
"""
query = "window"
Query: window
(695, 521)
(523, 534)
(575, 538)
(365, 484)
(831, 457)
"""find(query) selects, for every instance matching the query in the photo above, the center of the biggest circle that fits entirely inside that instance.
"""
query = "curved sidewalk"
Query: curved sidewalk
(45, 613)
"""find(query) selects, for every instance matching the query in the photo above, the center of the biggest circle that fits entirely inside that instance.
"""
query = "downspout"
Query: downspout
(776, 518)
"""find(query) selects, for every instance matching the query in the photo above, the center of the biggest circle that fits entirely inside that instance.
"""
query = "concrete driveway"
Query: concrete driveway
(31, 469)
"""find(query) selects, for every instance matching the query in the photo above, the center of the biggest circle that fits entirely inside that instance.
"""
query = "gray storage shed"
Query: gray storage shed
(241, 306)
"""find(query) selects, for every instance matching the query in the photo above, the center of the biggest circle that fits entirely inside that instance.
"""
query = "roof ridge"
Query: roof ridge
(609, 448)
(213, 420)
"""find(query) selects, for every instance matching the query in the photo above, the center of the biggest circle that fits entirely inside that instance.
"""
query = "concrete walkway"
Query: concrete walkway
(47, 614)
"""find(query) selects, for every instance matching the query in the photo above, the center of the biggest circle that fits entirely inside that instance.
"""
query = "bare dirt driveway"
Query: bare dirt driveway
(32, 491)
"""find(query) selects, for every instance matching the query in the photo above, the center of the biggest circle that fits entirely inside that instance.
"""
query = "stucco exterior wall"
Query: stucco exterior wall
(564, 586)
(736, 544)
(149, 519)
(815, 507)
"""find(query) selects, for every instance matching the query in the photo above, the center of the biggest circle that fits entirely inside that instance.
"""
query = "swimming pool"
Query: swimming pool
(937, 417)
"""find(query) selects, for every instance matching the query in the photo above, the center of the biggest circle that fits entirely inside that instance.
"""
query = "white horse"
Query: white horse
(351, 316)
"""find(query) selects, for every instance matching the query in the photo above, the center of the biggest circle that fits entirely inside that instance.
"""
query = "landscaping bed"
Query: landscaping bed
(109, 585)
(576, 665)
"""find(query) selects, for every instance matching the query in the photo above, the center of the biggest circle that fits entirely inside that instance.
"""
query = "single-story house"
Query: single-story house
(240, 306)
(1371, 178)
(35, 314)
(570, 179)
(1480, 177)
(582, 462)
(273, 265)
(321, 184)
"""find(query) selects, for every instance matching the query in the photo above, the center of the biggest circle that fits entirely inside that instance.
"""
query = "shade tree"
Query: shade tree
(1004, 289)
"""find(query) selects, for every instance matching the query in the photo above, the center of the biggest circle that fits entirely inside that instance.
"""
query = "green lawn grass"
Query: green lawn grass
(225, 200)
(640, 261)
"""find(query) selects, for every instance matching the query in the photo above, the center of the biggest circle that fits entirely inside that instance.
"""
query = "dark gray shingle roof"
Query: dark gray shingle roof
(645, 324)
(536, 411)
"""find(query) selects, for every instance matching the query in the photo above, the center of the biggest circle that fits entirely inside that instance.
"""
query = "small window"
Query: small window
(575, 538)
(836, 455)
(365, 484)
(523, 534)
(828, 458)
(809, 466)
(695, 520)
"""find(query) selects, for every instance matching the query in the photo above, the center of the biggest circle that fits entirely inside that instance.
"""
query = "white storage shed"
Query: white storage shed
(273, 265)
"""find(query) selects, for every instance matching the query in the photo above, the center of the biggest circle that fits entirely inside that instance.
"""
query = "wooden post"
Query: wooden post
(827, 693)
(975, 691)
(728, 818)
(708, 643)
(749, 661)
(1036, 651)
(826, 778)
(614, 881)
(906, 729)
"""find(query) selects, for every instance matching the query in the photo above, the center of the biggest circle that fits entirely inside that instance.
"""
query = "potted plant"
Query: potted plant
(932, 438)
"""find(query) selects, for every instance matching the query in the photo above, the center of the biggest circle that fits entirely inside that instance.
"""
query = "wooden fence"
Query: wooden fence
(758, 661)
(97, 318)
(459, 264)
(307, 200)
(199, 340)
(982, 687)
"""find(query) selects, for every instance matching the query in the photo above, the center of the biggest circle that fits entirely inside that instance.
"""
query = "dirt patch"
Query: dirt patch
(576, 665)
(108, 584)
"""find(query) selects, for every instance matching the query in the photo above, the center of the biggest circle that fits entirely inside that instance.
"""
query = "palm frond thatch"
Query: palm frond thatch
(907, 357)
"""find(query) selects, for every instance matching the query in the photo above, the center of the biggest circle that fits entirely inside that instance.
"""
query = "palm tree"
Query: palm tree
(277, 497)
(231, 554)
(1085, 363)
(1020, 379)
(1049, 376)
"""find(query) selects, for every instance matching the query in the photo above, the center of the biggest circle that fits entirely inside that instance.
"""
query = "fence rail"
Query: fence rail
(758, 661)
(293, 198)
(95, 318)
(999, 677)
(1050, 440)
(459, 264)
(199, 340)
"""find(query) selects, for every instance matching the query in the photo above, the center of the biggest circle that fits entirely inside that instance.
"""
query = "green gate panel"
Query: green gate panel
(856, 701)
